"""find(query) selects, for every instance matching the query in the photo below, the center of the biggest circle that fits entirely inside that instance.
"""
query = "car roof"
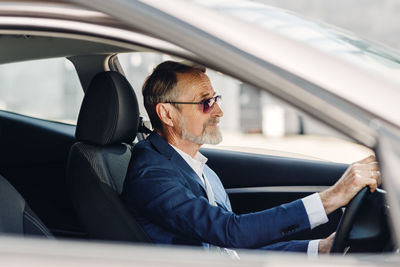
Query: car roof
(46, 27)
(41, 47)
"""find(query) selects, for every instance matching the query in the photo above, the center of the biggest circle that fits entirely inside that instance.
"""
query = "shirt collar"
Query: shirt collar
(196, 163)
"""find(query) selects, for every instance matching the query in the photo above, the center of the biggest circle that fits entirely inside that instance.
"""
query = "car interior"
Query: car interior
(71, 175)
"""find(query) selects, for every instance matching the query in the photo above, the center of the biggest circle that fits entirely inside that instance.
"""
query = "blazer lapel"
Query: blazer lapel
(168, 151)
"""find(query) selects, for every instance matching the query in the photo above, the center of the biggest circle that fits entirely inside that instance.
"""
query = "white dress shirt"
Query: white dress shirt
(312, 203)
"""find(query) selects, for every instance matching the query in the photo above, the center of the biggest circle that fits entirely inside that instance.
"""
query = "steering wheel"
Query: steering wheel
(347, 221)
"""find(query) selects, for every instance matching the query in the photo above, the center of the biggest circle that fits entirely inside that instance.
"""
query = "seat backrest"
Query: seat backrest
(16, 217)
(98, 161)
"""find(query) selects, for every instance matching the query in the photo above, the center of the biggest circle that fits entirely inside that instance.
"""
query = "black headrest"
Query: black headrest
(109, 113)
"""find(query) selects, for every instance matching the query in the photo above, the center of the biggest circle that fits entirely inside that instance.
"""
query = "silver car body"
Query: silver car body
(339, 79)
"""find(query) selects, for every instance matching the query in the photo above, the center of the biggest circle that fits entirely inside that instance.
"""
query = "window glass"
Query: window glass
(254, 121)
(46, 89)
(137, 66)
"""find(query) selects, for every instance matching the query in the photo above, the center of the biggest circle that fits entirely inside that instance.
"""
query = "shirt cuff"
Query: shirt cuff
(312, 249)
(315, 210)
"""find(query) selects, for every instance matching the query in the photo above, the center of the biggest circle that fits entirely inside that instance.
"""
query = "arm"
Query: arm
(160, 196)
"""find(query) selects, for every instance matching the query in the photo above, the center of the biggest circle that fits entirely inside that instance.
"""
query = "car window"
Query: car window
(256, 122)
(52, 83)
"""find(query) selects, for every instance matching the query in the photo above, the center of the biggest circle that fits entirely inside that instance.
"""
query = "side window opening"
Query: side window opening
(255, 121)
(46, 89)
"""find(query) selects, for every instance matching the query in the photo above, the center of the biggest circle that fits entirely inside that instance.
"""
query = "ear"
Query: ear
(165, 113)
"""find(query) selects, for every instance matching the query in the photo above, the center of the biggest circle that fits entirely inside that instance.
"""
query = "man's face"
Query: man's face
(195, 125)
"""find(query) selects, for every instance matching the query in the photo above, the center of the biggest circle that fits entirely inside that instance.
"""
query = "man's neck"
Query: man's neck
(186, 146)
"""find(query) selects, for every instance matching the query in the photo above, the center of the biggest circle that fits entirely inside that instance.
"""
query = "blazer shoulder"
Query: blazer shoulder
(146, 156)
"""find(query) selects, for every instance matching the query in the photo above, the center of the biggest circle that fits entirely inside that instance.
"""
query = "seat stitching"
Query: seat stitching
(36, 223)
(93, 158)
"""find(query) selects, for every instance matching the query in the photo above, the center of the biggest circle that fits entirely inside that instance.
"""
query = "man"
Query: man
(178, 199)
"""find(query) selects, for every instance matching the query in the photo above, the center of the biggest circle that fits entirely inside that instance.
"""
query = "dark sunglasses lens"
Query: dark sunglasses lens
(207, 104)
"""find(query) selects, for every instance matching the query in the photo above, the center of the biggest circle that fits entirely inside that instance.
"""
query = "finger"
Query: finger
(367, 173)
(368, 159)
(379, 180)
(371, 163)
(365, 167)
(332, 236)
(375, 175)
(372, 184)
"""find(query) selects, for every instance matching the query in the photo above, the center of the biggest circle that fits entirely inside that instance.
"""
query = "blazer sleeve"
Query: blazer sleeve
(159, 195)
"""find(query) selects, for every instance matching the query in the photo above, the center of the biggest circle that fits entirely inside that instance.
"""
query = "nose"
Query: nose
(217, 111)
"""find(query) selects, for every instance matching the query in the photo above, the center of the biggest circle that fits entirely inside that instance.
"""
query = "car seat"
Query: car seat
(107, 125)
(16, 217)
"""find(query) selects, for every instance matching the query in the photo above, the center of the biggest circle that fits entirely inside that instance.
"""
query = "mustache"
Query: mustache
(212, 121)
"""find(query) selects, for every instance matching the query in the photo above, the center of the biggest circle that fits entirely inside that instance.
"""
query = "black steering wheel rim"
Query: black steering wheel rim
(347, 221)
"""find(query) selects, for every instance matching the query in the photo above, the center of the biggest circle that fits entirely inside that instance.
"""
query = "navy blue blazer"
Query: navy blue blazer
(169, 201)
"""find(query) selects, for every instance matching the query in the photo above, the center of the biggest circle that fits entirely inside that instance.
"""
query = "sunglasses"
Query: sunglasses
(207, 104)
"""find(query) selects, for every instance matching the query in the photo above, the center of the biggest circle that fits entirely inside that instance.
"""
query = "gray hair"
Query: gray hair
(159, 87)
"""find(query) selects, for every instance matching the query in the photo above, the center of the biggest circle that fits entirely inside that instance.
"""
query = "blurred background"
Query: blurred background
(254, 121)
(370, 19)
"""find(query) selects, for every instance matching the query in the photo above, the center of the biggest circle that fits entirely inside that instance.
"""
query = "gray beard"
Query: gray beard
(210, 136)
